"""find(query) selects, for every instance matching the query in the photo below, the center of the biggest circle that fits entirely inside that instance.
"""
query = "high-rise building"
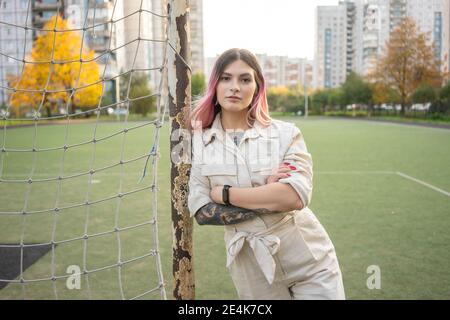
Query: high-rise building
(331, 46)
(274, 69)
(158, 28)
(382, 16)
(279, 70)
(15, 42)
(196, 31)
(102, 38)
(43, 10)
(354, 39)
(338, 46)
(376, 30)
(137, 25)
(446, 37)
(429, 17)
(307, 74)
(285, 71)
(197, 47)
(368, 25)
(115, 44)
(397, 12)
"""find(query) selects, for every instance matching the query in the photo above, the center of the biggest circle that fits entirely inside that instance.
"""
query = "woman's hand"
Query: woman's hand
(281, 172)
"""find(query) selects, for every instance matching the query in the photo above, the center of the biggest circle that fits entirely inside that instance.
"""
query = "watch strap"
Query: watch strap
(226, 195)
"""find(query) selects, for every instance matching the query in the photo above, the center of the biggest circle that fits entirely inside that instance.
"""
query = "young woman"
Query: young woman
(253, 174)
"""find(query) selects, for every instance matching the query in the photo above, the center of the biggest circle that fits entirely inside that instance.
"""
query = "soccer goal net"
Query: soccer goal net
(83, 100)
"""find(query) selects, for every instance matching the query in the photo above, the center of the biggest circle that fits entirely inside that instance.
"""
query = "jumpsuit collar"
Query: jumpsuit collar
(217, 131)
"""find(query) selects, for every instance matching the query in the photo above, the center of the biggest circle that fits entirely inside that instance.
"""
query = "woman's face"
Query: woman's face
(236, 86)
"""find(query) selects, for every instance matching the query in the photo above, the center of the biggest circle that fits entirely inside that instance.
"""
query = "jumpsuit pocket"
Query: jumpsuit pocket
(313, 233)
(219, 174)
(260, 172)
(265, 170)
(295, 252)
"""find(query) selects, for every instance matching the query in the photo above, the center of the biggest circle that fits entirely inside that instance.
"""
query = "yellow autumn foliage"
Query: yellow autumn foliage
(280, 90)
(73, 75)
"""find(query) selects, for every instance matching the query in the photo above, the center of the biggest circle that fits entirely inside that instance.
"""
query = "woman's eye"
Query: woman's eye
(224, 78)
(247, 80)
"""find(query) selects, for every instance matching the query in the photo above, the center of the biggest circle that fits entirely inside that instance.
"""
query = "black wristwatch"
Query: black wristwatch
(226, 195)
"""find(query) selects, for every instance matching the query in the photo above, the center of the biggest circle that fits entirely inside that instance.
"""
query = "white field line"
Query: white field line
(354, 172)
(315, 172)
(401, 174)
(423, 183)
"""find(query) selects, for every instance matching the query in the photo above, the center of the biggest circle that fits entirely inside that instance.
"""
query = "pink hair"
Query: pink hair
(203, 114)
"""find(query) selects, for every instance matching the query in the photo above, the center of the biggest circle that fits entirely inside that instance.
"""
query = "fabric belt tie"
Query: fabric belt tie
(264, 246)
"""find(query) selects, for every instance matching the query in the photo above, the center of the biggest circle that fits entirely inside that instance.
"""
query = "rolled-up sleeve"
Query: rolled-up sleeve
(199, 190)
(301, 179)
(199, 187)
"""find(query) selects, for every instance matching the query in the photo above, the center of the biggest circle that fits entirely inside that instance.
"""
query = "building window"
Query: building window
(327, 65)
(437, 34)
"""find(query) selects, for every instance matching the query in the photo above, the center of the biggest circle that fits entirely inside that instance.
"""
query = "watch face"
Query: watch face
(225, 194)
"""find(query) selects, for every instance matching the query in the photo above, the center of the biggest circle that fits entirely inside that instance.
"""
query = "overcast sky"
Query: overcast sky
(275, 27)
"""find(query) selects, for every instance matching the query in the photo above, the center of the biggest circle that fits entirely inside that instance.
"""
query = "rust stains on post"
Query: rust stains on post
(179, 80)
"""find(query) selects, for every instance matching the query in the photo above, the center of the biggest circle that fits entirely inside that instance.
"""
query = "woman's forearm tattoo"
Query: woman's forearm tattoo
(264, 210)
(219, 214)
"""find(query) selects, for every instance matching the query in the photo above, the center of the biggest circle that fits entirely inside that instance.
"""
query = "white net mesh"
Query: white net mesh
(79, 190)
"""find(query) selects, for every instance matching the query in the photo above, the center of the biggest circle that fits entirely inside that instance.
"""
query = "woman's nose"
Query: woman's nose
(234, 86)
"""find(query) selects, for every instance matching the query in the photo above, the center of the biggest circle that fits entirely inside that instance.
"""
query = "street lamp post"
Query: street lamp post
(305, 88)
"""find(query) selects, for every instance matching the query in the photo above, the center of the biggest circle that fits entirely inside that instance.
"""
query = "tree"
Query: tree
(139, 90)
(407, 63)
(73, 68)
(285, 99)
(356, 90)
(275, 97)
(336, 97)
(442, 102)
(383, 94)
(424, 93)
(445, 92)
(320, 101)
(291, 102)
(198, 84)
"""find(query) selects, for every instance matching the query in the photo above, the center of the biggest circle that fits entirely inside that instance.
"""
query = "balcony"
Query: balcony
(99, 47)
(100, 33)
(99, 20)
(39, 21)
(397, 10)
(370, 45)
(39, 6)
(99, 5)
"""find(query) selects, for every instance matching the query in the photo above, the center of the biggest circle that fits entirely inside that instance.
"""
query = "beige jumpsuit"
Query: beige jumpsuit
(273, 256)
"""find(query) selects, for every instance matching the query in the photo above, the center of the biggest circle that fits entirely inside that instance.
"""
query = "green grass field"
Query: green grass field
(374, 213)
